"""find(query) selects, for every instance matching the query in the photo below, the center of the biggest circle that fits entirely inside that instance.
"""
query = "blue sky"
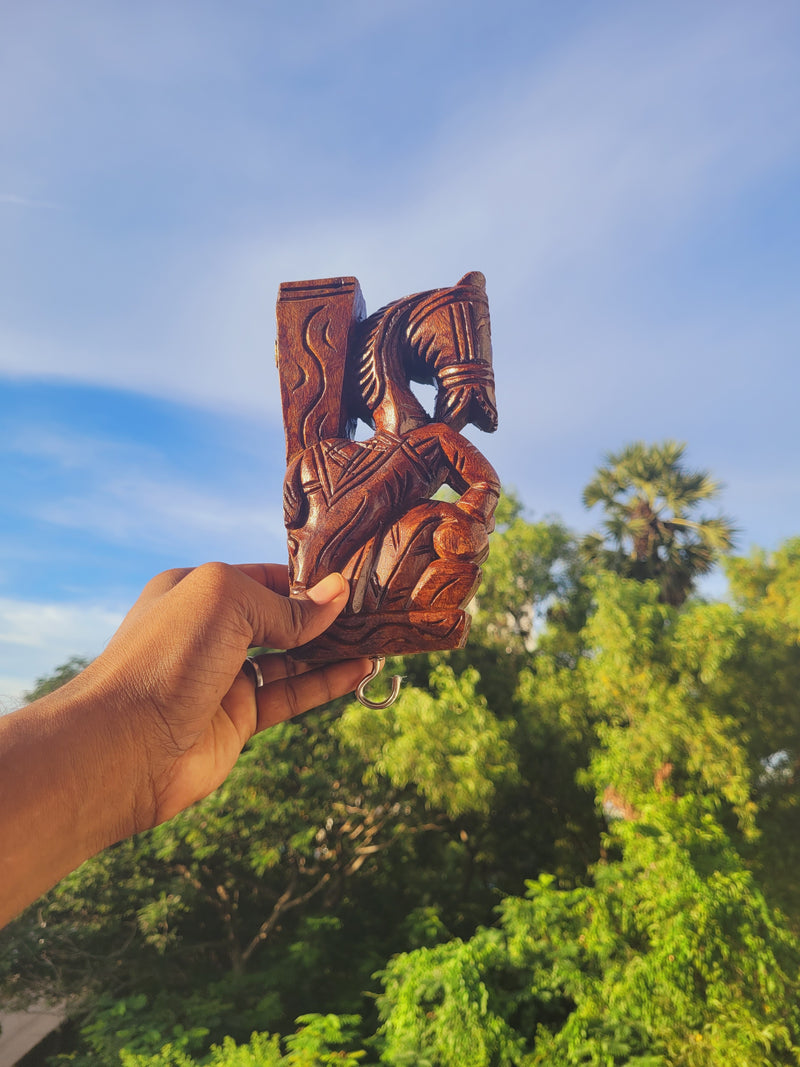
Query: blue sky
(625, 175)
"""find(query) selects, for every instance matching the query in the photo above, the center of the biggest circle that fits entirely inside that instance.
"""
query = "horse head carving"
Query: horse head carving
(440, 337)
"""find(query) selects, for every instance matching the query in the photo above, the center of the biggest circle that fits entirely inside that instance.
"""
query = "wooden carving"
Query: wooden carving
(365, 508)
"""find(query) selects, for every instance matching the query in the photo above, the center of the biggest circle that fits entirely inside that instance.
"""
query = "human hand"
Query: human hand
(173, 686)
(158, 719)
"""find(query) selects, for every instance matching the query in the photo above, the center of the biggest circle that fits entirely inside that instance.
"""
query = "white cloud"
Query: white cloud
(35, 638)
(568, 175)
(135, 509)
(129, 495)
(24, 201)
(565, 171)
(563, 178)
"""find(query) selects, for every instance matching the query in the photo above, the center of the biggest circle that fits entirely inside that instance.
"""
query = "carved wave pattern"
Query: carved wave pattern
(388, 633)
(315, 341)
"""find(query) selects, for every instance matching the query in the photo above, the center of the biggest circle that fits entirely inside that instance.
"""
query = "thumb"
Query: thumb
(286, 622)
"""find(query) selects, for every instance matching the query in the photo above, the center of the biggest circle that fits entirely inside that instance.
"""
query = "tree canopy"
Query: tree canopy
(573, 842)
(652, 530)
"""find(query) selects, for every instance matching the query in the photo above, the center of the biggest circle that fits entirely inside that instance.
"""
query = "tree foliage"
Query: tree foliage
(48, 683)
(671, 957)
(573, 842)
(652, 530)
(671, 951)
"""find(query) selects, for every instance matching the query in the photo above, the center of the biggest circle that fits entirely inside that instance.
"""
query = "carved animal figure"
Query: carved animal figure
(364, 507)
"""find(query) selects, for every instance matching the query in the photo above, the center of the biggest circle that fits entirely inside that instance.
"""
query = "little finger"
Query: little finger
(284, 698)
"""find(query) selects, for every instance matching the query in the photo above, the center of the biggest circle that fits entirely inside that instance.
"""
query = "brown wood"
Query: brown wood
(368, 508)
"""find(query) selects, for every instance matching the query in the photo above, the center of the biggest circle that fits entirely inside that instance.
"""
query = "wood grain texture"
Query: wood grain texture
(369, 508)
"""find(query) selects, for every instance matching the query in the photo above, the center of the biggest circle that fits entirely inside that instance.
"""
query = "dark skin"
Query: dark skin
(158, 720)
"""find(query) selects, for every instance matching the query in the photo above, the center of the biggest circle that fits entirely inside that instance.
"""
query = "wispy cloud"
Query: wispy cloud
(136, 509)
(575, 166)
(131, 495)
(25, 201)
(35, 638)
(570, 173)
(599, 182)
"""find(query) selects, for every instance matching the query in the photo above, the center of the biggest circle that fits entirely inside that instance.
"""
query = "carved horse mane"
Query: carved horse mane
(439, 337)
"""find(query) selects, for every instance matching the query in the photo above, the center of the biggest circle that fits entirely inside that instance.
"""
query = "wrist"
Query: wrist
(107, 758)
(61, 792)
(85, 728)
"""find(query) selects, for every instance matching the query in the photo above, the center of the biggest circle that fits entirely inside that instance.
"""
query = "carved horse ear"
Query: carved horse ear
(474, 278)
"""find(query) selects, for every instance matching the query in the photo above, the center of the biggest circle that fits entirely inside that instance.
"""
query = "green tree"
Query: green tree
(241, 911)
(765, 586)
(651, 527)
(317, 1041)
(60, 676)
(531, 566)
(572, 842)
(769, 583)
(672, 956)
(672, 950)
(342, 829)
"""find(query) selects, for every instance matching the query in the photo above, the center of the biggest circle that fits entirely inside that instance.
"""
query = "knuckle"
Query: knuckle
(167, 579)
(216, 582)
(293, 704)
(218, 599)
(215, 575)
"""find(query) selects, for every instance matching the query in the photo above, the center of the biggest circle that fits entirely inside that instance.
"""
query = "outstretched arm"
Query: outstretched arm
(158, 720)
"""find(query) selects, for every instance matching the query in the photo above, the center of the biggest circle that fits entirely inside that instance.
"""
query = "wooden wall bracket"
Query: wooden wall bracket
(369, 508)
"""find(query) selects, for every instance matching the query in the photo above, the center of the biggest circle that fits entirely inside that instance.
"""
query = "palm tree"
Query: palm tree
(650, 500)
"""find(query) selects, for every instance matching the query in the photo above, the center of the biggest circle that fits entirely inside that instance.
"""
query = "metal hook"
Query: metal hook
(378, 705)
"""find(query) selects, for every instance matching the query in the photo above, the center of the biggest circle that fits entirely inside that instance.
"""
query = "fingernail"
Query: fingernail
(328, 589)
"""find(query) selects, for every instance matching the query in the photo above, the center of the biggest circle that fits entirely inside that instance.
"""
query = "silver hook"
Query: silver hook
(378, 705)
